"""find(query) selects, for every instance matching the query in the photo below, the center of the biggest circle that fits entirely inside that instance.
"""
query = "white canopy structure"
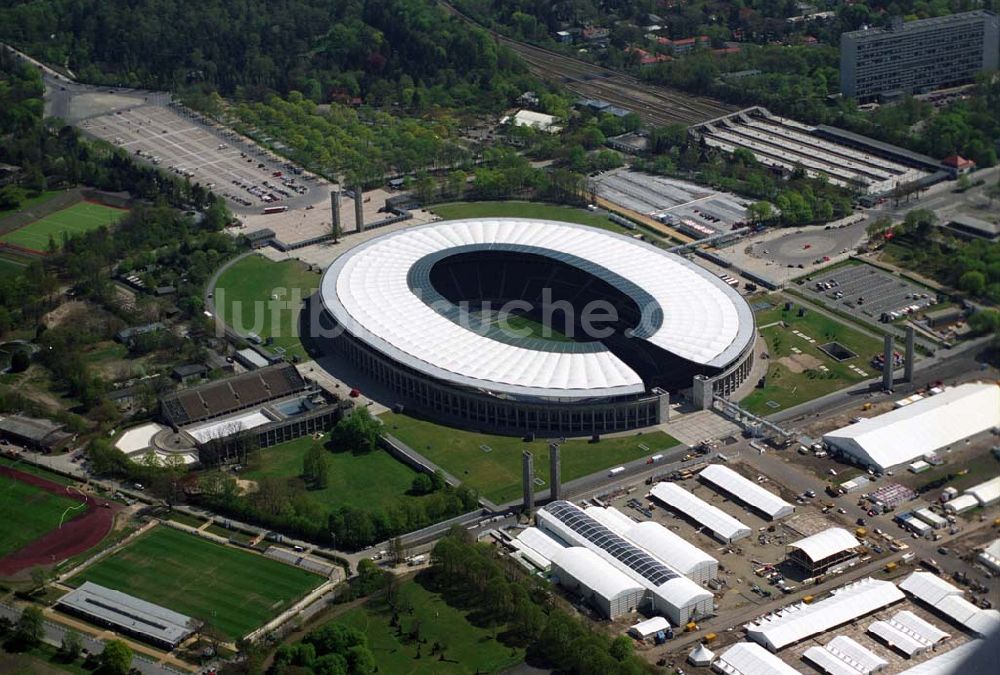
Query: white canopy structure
(666, 545)
(990, 556)
(986, 493)
(701, 656)
(961, 504)
(798, 622)
(747, 658)
(537, 547)
(954, 662)
(668, 591)
(918, 626)
(747, 491)
(722, 525)
(829, 546)
(845, 656)
(922, 428)
(645, 629)
(949, 601)
(584, 571)
(897, 637)
(372, 291)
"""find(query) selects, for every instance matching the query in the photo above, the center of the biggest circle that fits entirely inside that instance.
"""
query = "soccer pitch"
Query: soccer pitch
(81, 217)
(26, 513)
(235, 591)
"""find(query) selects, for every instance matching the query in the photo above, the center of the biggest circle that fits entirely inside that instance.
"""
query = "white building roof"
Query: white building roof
(919, 626)
(827, 543)
(138, 438)
(712, 517)
(829, 663)
(538, 546)
(797, 622)
(895, 636)
(670, 547)
(961, 504)
(530, 118)
(905, 434)
(680, 592)
(747, 491)
(593, 572)
(854, 653)
(990, 556)
(929, 517)
(950, 601)
(372, 291)
(747, 658)
(611, 518)
(986, 493)
(701, 655)
(227, 426)
(950, 663)
(928, 587)
(650, 627)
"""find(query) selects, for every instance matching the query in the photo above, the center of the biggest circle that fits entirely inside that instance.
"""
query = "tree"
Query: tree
(29, 629)
(315, 468)
(972, 282)
(116, 659)
(358, 432)
(621, 648)
(985, 322)
(759, 212)
(39, 577)
(71, 645)
(421, 484)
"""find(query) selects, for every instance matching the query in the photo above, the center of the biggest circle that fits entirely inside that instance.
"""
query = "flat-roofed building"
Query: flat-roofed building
(918, 56)
(128, 614)
(719, 524)
(746, 491)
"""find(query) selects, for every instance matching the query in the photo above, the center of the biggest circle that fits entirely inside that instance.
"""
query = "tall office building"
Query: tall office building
(917, 56)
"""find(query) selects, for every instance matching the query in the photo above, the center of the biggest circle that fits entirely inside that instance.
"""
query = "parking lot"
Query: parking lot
(183, 143)
(876, 293)
(694, 209)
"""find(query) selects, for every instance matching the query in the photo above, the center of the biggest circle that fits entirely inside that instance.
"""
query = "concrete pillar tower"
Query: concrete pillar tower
(359, 214)
(528, 478)
(910, 354)
(555, 473)
(887, 361)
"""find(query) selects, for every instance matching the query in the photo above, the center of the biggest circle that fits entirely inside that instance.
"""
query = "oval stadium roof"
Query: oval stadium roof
(368, 291)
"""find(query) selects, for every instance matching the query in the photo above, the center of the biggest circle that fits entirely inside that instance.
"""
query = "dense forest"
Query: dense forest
(327, 49)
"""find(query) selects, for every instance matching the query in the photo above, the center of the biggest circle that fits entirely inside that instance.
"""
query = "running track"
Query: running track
(75, 536)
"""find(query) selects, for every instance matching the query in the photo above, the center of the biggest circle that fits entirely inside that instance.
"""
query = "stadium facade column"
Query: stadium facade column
(359, 209)
(528, 478)
(555, 473)
(910, 355)
(335, 211)
(701, 392)
(662, 405)
(887, 361)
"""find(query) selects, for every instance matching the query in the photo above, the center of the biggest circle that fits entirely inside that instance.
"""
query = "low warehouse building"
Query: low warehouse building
(986, 494)
(763, 501)
(845, 656)
(128, 614)
(949, 601)
(923, 428)
(588, 575)
(668, 592)
(747, 658)
(990, 556)
(720, 524)
(823, 550)
(798, 622)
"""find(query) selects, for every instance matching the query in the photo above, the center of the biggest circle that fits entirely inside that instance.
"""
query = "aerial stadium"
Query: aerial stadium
(522, 326)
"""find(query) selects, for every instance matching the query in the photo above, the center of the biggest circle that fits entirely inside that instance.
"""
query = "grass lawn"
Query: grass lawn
(80, 217)
(256, 295)
(185, 519)
(12, 265)
(497, 474)
(458, 210)
(26, 513)
(786, 387)
(44, 659)
(235, 590)
(468, 647)
(373, 480)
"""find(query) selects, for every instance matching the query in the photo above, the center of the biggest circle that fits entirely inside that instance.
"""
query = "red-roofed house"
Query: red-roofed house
(684, 45)
(647, 59)
(957, 165)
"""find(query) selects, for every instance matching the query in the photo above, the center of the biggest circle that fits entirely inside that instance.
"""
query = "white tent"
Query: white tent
(701, 656)
(721, 525)
(747, 491)
(644, 629)
(905, 434)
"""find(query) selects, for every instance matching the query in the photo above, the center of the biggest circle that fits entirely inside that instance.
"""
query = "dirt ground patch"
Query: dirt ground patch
(247, 486)
(799, 363)
(63, 313)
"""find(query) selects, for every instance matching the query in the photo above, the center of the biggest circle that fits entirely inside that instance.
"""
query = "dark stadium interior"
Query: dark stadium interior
(550, 286)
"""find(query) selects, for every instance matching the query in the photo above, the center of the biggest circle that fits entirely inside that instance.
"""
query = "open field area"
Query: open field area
(459, 210)
(12, 264)
(27, 512)
(798, 369)
(374, 480)
(468, 647)
(234, 590)
(256, 295)
(81, 217)
(496, 472)
(30, 203)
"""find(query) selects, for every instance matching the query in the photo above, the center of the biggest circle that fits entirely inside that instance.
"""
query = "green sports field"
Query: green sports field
(257, 295)
(234, 590)
(26, 513)
(81, 217)
(492, 464)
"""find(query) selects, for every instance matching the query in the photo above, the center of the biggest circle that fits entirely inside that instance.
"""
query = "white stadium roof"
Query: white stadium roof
(686, 310)
(908, 433)
(798, 622)
(829, 542)
(747, 491)
(715, 519)
(747, 658)
(593, 572)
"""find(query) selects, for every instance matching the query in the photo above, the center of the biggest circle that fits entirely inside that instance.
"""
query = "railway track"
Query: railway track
(656, 105)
